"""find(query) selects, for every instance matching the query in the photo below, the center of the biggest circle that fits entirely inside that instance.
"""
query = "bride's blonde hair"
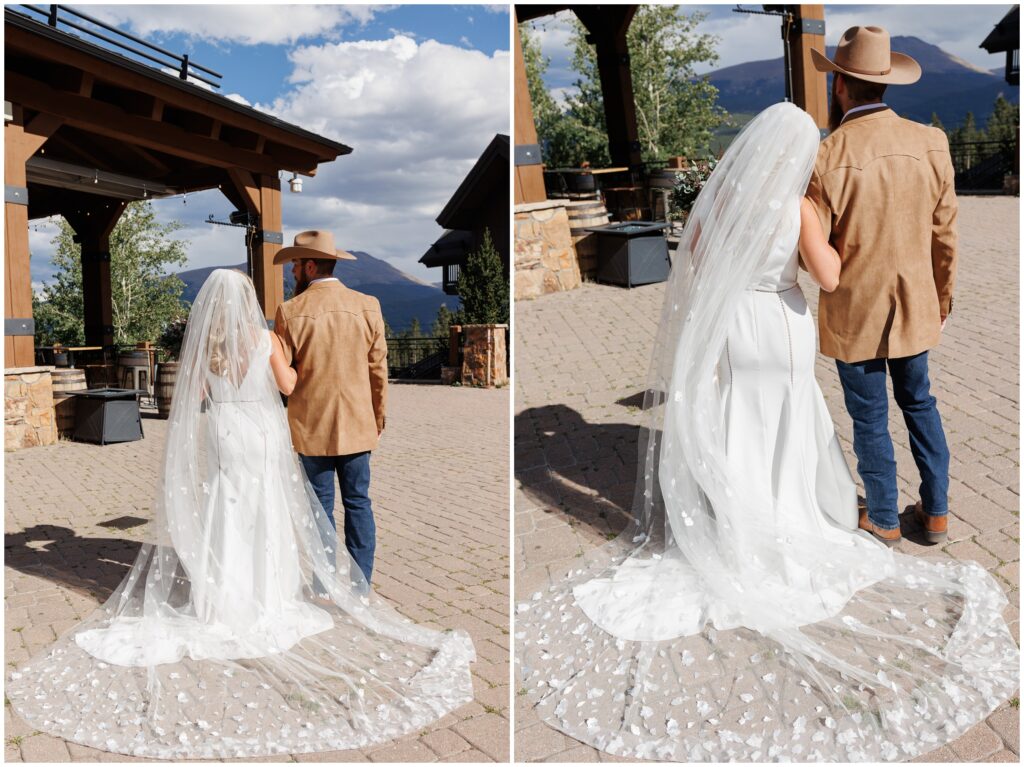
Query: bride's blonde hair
(218, 337)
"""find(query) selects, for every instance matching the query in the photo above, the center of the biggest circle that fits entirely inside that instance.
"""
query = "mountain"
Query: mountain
(401, 297)
(949, 86)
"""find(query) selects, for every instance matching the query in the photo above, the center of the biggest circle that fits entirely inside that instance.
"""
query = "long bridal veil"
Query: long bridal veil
(712, 630)
(215, 644)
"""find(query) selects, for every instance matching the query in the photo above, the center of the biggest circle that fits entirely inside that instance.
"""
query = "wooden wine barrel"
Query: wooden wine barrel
(100, 376)
(585, 214)
(626, 203)
(166, 375)
(66, 380)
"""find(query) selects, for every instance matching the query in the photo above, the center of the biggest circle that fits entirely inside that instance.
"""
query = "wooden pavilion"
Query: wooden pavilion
(88, 129)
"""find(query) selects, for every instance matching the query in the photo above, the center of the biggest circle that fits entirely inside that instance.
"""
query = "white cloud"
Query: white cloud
(248, 24)
(417, 115)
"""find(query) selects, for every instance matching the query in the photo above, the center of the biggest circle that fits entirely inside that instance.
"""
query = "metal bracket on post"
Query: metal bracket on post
(527, 154)
(274, 238)
(16, 194)
(812, 26)
(19, 326)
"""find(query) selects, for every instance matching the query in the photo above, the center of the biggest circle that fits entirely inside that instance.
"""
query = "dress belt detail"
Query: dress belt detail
(766, 290)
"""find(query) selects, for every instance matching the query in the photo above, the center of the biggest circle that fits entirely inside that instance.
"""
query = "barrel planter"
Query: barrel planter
(100, 376)
(66, 380)
(582, 215)
(166, 375)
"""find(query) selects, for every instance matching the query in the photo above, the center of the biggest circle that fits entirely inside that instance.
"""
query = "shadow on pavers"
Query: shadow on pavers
(581, 469)
(92, 566)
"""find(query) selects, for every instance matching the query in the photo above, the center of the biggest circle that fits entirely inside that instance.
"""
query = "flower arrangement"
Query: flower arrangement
(172, 336)
(688, 185)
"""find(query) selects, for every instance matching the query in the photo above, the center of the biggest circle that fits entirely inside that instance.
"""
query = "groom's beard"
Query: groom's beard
(301, 283)
(835, 111)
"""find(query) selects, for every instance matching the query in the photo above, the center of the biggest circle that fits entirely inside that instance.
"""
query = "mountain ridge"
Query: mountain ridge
(949, 86)
(402, 297)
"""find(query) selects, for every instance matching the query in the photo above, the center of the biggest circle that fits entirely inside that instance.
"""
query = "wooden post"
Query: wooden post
(93, 225)
(529, 170)
(269, 279)
(810, 91)
(262, 199)
(21, 141)
(608, 25)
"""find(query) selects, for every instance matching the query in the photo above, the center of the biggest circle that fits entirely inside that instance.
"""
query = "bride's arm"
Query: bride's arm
(284, 375)
(820, 259)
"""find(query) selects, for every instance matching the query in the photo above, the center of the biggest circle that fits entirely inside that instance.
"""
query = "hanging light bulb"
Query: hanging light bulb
(96, 178)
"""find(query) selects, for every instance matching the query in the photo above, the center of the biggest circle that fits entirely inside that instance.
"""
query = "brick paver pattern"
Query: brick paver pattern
(581, 359)
(75, 514)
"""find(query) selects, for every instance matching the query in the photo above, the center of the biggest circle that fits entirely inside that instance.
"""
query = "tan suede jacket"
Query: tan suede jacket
(334, 337)
(883, 189)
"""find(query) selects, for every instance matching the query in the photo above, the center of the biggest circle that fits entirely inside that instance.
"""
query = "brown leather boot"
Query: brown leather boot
(888, 537)
(935, 528)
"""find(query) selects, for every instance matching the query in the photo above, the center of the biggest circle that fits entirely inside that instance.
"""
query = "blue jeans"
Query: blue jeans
(354, 478)
(867, 402)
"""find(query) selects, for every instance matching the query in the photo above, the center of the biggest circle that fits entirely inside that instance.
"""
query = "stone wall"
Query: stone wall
(545, 259)
(29, 419)
(484, 356)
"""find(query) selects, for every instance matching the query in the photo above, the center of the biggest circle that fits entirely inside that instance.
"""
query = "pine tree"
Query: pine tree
(483, 286)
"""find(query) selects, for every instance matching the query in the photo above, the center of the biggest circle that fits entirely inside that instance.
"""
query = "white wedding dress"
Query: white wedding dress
(213, 646)
(743, 616)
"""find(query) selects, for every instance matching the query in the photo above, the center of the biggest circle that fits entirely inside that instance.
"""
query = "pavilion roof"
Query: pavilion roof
(120, 117)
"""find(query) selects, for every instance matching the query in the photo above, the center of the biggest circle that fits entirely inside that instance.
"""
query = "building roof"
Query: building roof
(1006, 34)
(465, 207)
(18, 20)
(450, 248)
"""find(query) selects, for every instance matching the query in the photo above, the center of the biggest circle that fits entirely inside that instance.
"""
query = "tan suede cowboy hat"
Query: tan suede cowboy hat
(864, 53)
(316, 243)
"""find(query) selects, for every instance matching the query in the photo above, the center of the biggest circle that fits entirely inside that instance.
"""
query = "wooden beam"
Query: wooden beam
(529, 179)
(268, 279)
(85, 84)
(19, 351)
(36, 46)
(247, 189)
(810, 91)
(93, 227)
(107, 120)
(608, 25)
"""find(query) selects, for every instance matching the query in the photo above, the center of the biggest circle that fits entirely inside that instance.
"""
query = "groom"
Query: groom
(883, 189)
(334, 337)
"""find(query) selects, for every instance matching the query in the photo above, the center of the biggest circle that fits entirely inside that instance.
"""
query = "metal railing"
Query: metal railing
(982, 165)
(185, 68)
(418, 358)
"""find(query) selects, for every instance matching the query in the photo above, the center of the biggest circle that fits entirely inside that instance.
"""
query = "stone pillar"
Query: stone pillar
(545, 260)
(484, 356)
(29, 419)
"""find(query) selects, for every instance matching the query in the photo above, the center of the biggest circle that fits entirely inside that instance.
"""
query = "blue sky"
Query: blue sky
(418, 91)
(958, 29)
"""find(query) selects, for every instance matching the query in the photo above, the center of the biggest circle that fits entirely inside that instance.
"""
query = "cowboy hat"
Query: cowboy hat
(864, 53)
(316, 243)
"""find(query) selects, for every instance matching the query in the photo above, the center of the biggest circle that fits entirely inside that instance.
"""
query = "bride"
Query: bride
(743, 616)
(214, 645)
